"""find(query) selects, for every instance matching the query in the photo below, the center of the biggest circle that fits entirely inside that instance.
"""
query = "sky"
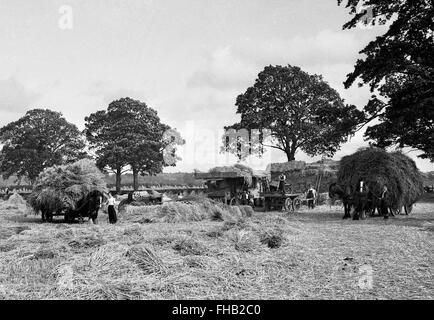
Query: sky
(187, 59)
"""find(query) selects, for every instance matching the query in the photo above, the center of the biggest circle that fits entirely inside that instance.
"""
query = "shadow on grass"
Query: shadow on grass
(324, 214)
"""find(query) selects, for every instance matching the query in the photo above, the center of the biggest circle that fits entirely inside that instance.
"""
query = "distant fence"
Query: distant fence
(185, 190)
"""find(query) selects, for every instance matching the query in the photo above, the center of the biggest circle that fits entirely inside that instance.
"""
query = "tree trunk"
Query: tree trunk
(118, 180)
(135, 179)
(290, 154)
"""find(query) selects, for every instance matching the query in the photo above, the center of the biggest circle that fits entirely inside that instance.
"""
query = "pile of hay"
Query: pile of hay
(61, 187)
(378, 168)
(178, 212)
(16, 199)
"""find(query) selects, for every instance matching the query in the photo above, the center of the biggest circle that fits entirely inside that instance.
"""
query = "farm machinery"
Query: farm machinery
(233, 186)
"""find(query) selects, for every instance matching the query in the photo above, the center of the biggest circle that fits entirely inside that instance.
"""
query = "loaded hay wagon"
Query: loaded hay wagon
(379, 169)
(72, 191)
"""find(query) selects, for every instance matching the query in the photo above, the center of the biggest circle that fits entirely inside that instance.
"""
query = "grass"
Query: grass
(307, 255)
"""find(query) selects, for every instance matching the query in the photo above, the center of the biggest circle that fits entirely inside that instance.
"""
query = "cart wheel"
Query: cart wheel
(408, 209)
(396, 212)
(297, 204)
(288, 204)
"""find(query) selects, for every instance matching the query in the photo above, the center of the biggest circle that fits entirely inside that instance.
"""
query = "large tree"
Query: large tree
(130, 136)
(40, 139)
(398, 66)
(299, 110)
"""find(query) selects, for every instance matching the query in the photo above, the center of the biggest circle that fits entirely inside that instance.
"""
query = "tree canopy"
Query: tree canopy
(40, 139)
(130, 136)
(398, 66)
(299, 110)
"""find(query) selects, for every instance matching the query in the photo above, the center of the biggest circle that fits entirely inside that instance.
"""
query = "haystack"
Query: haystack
(16, 199)
(379, 168)
(61, 187)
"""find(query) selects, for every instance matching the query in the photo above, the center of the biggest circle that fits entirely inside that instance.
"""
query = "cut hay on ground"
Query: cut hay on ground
(379, 168)
(177, 211)
(324, 259)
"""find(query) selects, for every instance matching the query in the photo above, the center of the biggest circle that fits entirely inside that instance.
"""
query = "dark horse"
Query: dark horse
(345, 194)
(86, 207)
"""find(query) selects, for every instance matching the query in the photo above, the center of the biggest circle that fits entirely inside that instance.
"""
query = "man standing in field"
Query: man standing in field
(111, 209)
(282, 179)
(311, 196)
(384, 203)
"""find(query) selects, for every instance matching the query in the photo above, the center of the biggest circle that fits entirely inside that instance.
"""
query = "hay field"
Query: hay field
(160, 254)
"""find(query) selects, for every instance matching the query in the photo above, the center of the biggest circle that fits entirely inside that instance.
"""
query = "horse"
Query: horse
(88, 206)
(345, 194)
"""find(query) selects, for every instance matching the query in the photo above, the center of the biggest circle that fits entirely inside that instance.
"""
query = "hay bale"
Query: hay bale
(379, 168)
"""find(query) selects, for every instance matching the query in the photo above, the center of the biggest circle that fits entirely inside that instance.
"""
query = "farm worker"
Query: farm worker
(361, 199)
(111, 209)
(245, 198)
(282, 179)
(311, 196)
(384, 203)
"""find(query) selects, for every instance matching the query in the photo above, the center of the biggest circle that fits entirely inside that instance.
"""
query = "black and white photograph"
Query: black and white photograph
(245, 151)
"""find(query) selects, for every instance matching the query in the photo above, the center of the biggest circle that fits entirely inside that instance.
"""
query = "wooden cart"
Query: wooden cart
(281, 201)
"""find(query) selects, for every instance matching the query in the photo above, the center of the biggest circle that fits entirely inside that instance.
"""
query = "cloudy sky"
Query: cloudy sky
(188, 59)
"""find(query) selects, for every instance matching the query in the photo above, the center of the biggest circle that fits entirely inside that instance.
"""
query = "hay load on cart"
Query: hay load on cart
(73, 191)
(378, 168)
